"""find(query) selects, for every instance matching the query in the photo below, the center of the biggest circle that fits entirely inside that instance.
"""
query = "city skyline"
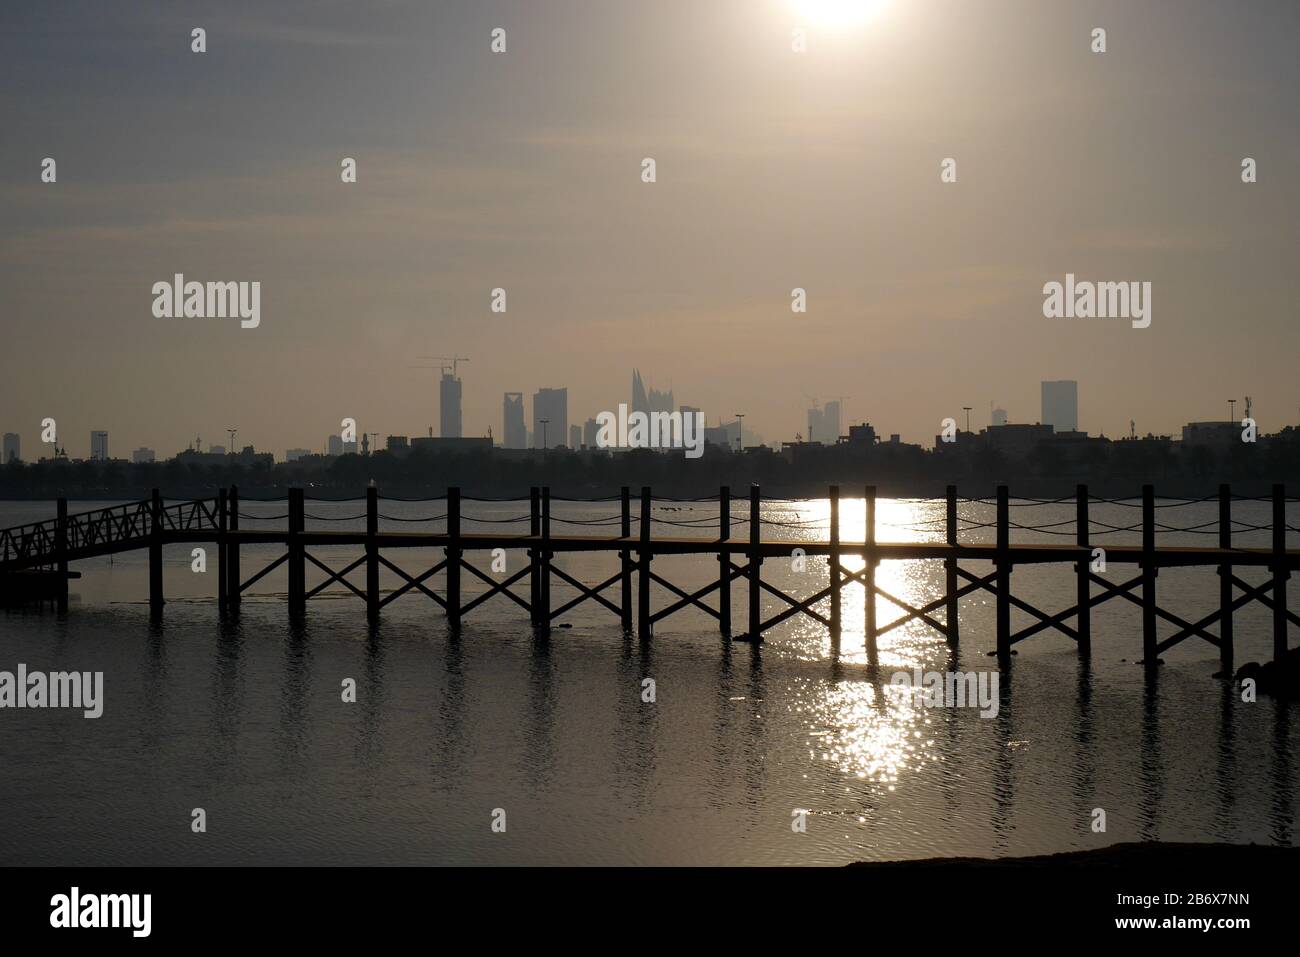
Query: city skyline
(1059, 405)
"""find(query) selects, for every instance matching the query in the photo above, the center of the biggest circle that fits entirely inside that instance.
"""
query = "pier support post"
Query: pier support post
(869, 572)
(755, 566)
(833, 560)
(1280, 574)
(544, 587)
(297, 565)
(222, 581)
(724, 561)
(643, 560)
(534, 571)
(372, 553)
(950, 570)
(453, 558)
(1149, 653)
(1225, 581)
(61, 553)
(1082, 569)
(1003, 561)
(233, 585)
(155, 553)
(625, 560)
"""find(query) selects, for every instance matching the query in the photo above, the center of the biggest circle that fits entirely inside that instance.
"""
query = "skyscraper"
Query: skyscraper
(831, 423)
(12, 448)
(1061, 405)
(99, 446)
(814, 424)
(553, 406)
(335, 445)
(449, 406)
(514, 434)
(652, 401)
(575, 436)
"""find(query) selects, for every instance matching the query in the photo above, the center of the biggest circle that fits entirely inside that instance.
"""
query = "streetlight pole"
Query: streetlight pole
(543, 422)
(967, 409)
(740, 438)
(1232, 410)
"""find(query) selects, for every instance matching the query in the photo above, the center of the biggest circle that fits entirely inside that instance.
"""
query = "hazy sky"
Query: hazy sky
(775, 169)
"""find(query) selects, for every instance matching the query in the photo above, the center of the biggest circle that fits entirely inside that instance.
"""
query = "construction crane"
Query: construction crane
(454, 360)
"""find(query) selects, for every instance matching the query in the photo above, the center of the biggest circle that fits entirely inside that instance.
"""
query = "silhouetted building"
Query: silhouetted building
(724, 435)
(398, 444)
(334, 445)
(830, 423)
(12, 448)
(1061, 405)
(293, 455)
(590, 429)
(1215, 435)
(575, 436)
(1016, 440)
(652, 401)
(216, 450)
(449, 406)
(460, 444)
(514, 434)
(99, 446)
(553, 406)
(999, 417)
(143, 456)
(863, 436)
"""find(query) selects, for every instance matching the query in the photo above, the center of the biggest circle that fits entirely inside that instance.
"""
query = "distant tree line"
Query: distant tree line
(1050, 468)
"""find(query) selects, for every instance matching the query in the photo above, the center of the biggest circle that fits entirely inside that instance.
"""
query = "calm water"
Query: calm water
(245, 720)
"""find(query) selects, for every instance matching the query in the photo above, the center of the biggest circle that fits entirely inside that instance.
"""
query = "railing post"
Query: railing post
(372, 553)
(297, 569)
(155, 552)
(1149, 653)
(833, 560)
(453, 558)
(1082, 569)
(755, 566)
(1003, 562)
(234, 587)
(1280, 574)
(546, 556)
(724, 561)
(1225, 581)
(534, 573)
(643, 557)
(869, 572)
(625, 560)
(61, 553)
(950, 570)
(222, 581)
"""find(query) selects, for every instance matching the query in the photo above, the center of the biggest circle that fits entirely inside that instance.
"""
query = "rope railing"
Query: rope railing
(969, 516)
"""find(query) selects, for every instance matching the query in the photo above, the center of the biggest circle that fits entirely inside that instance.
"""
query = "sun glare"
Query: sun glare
(838, 13)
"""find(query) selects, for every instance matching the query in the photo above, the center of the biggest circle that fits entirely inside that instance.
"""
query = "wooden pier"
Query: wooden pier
(48, 547)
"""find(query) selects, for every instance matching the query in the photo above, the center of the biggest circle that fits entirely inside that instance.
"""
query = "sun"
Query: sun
(837, 13)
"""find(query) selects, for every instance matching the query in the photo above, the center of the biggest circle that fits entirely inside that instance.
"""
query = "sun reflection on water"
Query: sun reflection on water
(856, 723)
